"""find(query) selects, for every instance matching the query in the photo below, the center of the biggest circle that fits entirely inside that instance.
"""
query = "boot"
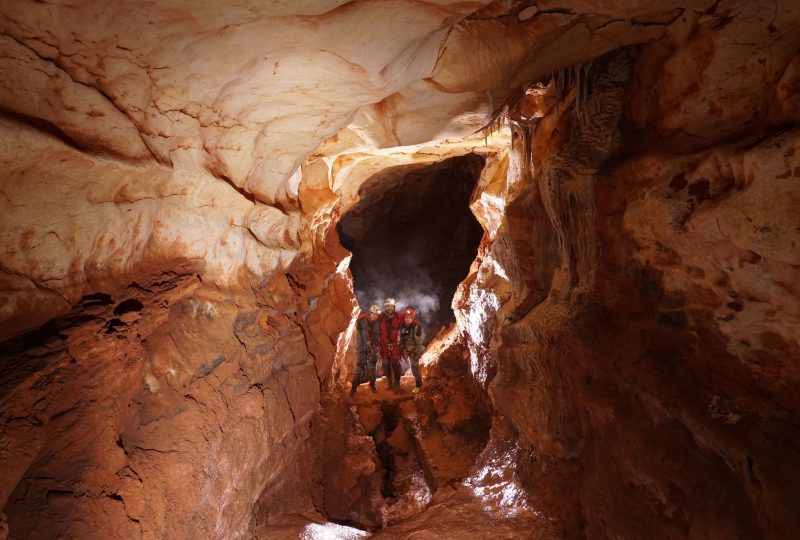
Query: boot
(396, 387)
(372, 387)
(353, 390)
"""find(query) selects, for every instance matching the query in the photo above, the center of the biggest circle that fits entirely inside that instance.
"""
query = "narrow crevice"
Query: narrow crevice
(385, 452)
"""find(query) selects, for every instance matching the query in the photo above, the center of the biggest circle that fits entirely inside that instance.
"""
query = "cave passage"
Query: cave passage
(413, 237)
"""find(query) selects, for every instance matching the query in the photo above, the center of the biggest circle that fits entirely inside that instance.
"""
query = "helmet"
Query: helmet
(408, 312)
(375, 309)
(389, 302)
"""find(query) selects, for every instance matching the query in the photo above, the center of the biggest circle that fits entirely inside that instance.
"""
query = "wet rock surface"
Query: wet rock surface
(176, 308)
(383, 456)
(399, 464)
(629, 362)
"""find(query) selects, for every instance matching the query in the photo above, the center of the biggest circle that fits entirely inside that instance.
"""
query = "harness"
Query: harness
(395, 325)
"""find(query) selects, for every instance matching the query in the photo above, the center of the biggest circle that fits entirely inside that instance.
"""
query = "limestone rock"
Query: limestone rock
(176, 309)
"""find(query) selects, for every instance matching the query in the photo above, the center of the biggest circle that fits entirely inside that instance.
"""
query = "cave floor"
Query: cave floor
(454, 513)
(470, 493)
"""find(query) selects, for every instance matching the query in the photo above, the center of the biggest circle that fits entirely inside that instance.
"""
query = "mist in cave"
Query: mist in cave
(413, 238)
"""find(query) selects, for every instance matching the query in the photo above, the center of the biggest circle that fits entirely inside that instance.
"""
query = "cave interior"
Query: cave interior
(413, 238)
(593, 209)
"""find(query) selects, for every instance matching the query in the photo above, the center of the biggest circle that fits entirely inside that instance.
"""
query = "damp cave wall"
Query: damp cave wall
(644, 349)
(636, 347)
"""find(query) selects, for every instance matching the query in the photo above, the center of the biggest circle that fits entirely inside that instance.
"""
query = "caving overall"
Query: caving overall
(411, 347)
(390, 349)
(368, 346)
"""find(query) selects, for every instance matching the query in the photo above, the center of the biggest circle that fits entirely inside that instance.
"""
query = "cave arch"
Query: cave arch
(413, 237)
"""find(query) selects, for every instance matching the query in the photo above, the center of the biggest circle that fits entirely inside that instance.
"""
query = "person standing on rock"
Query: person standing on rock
(390, 344)
(369, 342)
(410, 335)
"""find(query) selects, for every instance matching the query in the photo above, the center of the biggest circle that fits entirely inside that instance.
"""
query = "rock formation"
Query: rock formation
(176, 304)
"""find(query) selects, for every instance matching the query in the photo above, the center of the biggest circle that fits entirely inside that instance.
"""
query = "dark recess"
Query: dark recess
(131, 304)
(414, 237)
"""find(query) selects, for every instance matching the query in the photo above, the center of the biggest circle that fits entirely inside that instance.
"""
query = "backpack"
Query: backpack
(407, 342)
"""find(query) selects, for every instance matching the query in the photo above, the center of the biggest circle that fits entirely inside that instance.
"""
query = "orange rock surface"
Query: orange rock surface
(177, 312)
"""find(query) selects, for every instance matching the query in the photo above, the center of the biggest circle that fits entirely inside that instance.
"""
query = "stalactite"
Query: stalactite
(498, 119)
(524, 129)
(565, 186)
(582, 87)
(577, 76)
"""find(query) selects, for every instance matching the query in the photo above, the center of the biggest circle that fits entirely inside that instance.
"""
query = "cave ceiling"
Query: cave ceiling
(137, 133)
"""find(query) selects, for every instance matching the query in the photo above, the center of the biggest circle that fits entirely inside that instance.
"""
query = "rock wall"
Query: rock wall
(643, 280)
(381, 459)
(173, 297)
(163, 412)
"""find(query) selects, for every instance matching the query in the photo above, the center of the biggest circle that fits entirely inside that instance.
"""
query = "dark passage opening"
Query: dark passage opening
(413, 237)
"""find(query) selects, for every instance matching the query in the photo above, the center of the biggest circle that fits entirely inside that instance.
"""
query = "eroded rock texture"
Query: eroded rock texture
(159, 414)
(176, 308)
(649, 359)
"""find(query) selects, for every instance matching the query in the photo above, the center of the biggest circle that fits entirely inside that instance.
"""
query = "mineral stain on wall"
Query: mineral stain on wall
(175, 298)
